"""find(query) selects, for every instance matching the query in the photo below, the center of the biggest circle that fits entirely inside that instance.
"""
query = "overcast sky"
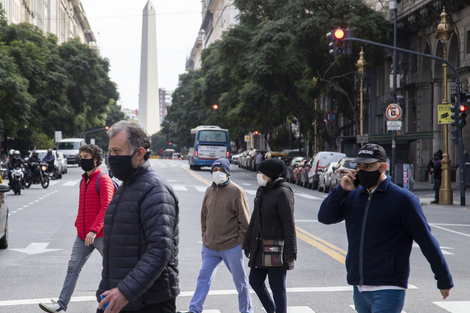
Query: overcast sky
(117, 25)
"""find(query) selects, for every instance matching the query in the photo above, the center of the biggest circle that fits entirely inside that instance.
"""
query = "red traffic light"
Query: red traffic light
(215, 106)
(462, 108)
(339, 33)
(169, 143)
(256, 132)
(106, 127)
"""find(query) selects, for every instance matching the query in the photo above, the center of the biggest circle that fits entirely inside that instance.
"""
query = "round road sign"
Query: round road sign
(330, 116)
(393, 112)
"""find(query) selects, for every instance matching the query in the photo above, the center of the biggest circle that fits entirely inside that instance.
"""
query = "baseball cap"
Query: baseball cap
(371, 153)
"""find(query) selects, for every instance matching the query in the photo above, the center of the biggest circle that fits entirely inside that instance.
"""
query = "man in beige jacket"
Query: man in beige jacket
(224, 222)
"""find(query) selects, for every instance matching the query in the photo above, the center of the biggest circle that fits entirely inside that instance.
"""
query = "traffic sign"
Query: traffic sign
(393, 112)
(362, 138)
(394, 125)
(330, 116)
(443, 114)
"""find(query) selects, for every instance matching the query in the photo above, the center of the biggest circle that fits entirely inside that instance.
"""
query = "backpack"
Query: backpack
(116, 185)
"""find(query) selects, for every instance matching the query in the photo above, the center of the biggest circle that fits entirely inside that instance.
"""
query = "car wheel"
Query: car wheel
(4, 240)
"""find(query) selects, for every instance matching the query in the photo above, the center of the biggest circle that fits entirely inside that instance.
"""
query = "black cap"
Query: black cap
(371, 153)
(272, 168)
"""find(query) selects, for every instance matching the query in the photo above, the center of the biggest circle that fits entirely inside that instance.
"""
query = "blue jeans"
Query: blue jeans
(380, 301)
(277, 282)
(233, 259)
(80, 254)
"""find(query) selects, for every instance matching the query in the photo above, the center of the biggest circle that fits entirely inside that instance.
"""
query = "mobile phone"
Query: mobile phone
(106, 305)
(356, 181)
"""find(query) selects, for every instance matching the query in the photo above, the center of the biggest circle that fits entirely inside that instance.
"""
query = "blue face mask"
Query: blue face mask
(121, 166)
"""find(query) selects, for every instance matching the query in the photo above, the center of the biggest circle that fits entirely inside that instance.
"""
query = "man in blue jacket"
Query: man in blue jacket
(382, 220)
(140, 257)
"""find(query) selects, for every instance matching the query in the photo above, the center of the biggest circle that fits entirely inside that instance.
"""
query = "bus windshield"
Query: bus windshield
(213, 136)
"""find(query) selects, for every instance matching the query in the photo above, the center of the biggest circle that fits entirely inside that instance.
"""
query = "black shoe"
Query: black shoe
(435, 201)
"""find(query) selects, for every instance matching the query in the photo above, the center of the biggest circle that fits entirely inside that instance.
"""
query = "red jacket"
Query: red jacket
(92, 206)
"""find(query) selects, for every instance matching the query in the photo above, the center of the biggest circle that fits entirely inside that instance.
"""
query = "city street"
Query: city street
(41, 225)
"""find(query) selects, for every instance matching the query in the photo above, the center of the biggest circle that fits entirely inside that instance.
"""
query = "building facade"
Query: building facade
(64, 18)
(217, 17)
(165, 101)
(420, 82)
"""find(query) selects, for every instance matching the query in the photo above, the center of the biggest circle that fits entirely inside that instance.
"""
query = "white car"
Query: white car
(63, 160)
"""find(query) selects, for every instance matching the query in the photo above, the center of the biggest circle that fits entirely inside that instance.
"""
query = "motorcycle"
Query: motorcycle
(17, 180)
(38, 175)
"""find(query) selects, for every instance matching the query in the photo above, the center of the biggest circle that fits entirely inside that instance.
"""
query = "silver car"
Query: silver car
(325, 176)
(3, 216)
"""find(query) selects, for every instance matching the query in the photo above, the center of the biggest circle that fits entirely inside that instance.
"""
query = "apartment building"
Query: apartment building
(64, 18)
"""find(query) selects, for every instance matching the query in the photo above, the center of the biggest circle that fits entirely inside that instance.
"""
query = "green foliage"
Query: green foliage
(263, 70)
(46, 87)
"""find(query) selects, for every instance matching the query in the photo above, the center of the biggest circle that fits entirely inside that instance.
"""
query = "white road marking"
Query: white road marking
(200, 188)
(299, 309)
(454, 306)
(303, 195)
(179, 188)
(72, 182)
(250, 192)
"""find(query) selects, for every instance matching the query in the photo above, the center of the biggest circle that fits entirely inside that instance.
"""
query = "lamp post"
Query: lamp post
(444, 30)
(361, 68)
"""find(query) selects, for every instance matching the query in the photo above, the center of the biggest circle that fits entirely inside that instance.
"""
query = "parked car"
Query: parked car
(176, 156)
(4, 188)
(235, 158)
(290, 169)
(306, 166)
(342, 168)
(57, 173)
(320, 160)
(325, 177)
(63, 160)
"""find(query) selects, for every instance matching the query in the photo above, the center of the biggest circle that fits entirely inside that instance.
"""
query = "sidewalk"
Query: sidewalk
(419, 188)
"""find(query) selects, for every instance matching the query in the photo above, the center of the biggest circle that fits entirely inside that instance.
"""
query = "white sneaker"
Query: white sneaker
(50, 307)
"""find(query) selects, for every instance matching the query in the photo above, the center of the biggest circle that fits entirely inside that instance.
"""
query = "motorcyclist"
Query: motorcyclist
(8, 161)
(49, 159)
(16, 161)
(33, 159)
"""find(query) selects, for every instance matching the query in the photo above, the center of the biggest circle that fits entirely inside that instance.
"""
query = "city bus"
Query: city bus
(167, 154)
(208, 143)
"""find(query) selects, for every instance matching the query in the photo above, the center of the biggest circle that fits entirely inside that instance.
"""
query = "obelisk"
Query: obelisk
(149, 107)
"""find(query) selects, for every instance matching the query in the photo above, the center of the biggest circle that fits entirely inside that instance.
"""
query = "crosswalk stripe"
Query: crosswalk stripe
(179, 188)
(352, 307)
(250, 192)
(200, 188)
(72, 183)
(299, 309)
(454, 306)
(303, 195)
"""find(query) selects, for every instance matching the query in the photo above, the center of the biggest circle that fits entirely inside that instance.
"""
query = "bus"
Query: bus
(167, 154)
(208, 143)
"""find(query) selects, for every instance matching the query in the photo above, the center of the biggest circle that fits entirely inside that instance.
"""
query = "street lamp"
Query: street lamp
(444, 31)
(361, 68)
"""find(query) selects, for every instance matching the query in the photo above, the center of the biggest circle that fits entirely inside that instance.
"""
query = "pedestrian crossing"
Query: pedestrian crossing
(450, 306)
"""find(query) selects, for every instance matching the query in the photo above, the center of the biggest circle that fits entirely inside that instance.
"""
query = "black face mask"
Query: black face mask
(87, 164)
(121, 166)
(369, 179)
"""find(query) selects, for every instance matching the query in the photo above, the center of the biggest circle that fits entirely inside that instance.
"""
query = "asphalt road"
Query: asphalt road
(42, 231)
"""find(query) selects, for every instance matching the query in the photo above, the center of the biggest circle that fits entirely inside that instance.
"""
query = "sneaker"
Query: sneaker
(50, 307)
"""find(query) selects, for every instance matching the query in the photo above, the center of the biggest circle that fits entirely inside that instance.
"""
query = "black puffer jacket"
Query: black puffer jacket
(275, 204)
(141, 241)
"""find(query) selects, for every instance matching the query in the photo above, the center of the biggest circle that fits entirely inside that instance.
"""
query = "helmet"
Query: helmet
(17, 154)
(12, 151)
(35, 153)
(49, 151)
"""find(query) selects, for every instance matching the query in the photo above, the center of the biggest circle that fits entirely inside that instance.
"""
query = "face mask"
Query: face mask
(87, 164)
(121, 166)
(219, 177)
(369, 179)
(260, 179)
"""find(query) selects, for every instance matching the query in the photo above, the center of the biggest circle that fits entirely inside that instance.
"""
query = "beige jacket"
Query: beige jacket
(224, 217)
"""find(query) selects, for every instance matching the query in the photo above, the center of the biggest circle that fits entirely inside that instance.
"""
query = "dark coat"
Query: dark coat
(141, 241)
(275, 204)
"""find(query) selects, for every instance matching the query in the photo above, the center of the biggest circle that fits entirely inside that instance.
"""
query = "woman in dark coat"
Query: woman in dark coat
(274, 212)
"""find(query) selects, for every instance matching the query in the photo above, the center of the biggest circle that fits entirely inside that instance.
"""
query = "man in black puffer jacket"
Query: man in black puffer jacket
(140, 261)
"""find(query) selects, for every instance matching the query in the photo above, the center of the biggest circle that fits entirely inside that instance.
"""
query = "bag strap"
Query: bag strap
(98, 183)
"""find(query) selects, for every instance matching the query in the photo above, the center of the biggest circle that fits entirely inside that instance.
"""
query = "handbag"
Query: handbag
(271, 249)
(271, 254)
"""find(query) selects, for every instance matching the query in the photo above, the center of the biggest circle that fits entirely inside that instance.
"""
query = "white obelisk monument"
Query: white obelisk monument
(149, 106)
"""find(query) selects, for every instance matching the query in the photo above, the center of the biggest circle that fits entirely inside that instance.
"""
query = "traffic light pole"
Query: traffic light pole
(457, 82)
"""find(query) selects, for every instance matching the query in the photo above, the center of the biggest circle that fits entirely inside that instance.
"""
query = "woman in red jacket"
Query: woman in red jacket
(96, 191)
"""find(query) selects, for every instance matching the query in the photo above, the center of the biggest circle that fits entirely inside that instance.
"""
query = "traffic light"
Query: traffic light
(338, 41)
(106, 127)
(256, 132)
(459, 112)
(454, 136)
(215, 107)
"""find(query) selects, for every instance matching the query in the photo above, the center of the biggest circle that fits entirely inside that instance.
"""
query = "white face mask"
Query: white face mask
(260, 179)
(219, 177)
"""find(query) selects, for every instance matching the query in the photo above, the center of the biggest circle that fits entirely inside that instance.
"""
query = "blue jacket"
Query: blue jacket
(141, 241)
(381, 228)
